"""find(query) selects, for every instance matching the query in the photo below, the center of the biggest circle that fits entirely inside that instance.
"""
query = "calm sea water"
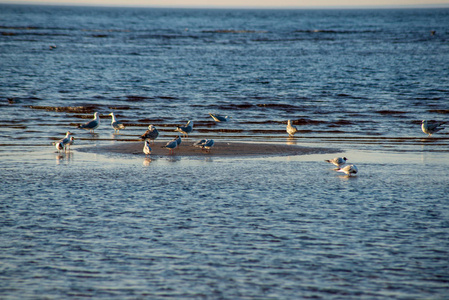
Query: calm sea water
(119, 226)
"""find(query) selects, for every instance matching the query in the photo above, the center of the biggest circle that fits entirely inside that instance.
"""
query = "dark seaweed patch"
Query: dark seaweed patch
(70, 109)
(306, 122)
(133, 98)
(439, 111)
(120, 107)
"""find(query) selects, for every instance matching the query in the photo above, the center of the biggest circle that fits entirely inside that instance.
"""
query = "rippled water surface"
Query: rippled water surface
(118, 226)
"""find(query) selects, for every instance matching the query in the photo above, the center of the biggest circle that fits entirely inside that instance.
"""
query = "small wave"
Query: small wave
(233, 31)
(236, 106)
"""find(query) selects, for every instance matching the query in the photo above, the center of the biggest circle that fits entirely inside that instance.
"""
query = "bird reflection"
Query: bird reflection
(146, 162)
(63, 157)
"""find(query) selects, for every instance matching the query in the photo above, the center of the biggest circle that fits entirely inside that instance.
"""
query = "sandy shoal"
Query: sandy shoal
(220, 149)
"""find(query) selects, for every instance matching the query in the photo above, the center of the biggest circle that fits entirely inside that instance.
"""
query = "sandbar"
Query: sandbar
(220, 149)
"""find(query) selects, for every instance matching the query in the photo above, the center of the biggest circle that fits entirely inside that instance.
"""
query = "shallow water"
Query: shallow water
(118, 226)
(122, 227)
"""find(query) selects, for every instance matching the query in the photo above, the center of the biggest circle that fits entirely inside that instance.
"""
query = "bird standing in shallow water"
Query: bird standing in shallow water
(291, 130)
(185, 130)
(92, 124)
(431, 128)
(147, 148)
(116, 124)
(338, 161)
(150, 134)
(70, 142)
(218, 118)
(348, 170)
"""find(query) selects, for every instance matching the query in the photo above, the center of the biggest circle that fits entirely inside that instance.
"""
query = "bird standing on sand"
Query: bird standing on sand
(92, 124)
(348, 170)
(291, 130)
(150, 134)
(208, 145)
(431, 128)
(171, 145)
(116, 124)
(338, 161)
(185, 130)
(178, 140)
(147, 148)
(218, 118)
(205, 144)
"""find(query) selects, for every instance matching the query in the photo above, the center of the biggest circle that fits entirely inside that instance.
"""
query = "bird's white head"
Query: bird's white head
(150, 127)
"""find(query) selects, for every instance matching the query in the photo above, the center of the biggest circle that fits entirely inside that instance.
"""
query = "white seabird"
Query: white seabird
(348, 170)
(185, 130)
(147, 148)
(61, 144)
(291, 130)
(338, 161)
(431, 128)
(150, 134)
(92, 124)
(70, 142)
(116, 124)
(218, 118)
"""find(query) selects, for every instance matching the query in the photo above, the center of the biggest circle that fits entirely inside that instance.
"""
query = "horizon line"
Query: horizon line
(404, 6)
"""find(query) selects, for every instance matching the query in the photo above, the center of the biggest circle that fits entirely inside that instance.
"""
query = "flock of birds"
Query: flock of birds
(150, 135)
(426, 127)
(206, 144)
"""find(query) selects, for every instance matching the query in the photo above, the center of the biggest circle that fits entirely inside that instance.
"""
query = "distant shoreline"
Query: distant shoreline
(220, 149)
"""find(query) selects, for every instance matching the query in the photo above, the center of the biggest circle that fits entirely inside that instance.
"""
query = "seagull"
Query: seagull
(218, 118)
(116, 124)
(66, 139)
(61, 144)
(338, 161)
(199, 143)
(291, 130)
(208, 145)
(146, 148)
(150, 134)
(70, 142)
(171, 145)
(204, 144)
(348, 170)
(178, 140)
(431, 128)
(92, 124)
(185, 130)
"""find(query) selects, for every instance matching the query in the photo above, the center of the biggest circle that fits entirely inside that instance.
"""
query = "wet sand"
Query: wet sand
(220, 149)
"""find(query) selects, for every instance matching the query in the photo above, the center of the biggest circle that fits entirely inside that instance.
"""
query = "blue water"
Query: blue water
(119, 226)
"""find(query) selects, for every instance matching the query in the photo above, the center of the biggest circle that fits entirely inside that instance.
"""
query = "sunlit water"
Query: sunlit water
(101, 225)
